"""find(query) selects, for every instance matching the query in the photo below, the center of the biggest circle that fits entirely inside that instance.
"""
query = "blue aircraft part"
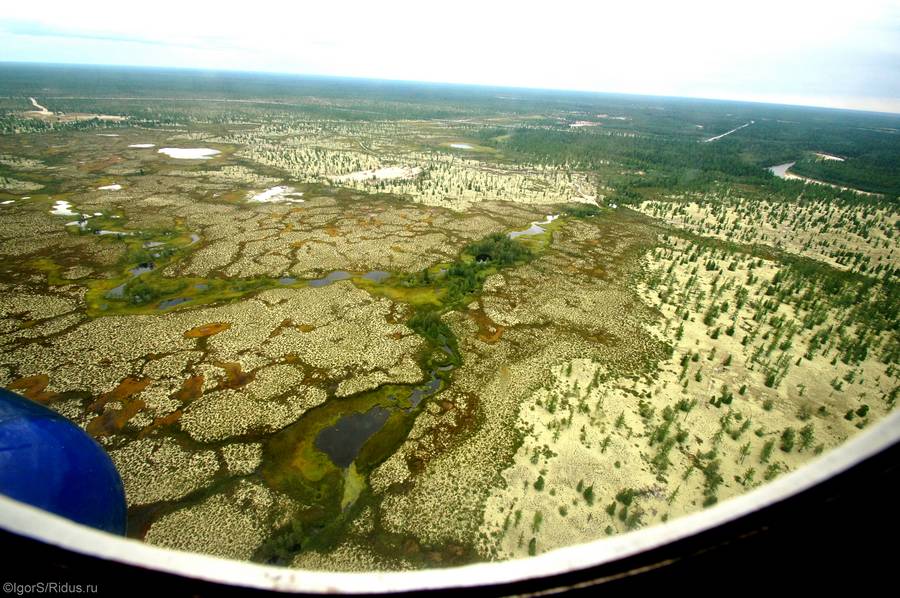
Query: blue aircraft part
(50, 463)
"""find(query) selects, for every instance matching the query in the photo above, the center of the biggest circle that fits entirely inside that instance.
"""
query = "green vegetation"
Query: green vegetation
(766, 452)
(771, 302)
(582, 210)
(477, 261)
(428, 324)
(787, 439)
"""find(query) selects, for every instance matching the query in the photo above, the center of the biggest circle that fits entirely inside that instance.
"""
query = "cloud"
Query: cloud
(693, 47)
(42, 30)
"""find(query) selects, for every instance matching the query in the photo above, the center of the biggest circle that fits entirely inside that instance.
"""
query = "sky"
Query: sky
(818, 53)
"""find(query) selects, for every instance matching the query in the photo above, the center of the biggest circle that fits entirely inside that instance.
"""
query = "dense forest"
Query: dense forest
(875, 171)
(872, 163)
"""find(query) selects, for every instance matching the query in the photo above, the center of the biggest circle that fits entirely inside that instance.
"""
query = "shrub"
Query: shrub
(787, 440)
(807, 435)
(766, 451)
(626, 496)
(588, 494)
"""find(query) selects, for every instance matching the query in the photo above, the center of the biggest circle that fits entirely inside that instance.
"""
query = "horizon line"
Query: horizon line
(447, 83)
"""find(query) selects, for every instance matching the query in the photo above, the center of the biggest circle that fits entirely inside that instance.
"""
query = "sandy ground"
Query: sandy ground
(195, 153)
(41, 110)
(536, 228)
(62, 208)
(783, 171)
(590, 464)
(281, 193)
(728, 132)
(43, 113)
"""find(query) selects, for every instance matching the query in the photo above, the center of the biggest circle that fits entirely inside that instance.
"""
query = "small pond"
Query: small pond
(330, 278)
(343, 441)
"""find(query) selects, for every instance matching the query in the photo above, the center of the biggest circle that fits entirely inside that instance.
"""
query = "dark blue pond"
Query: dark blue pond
(342, 441)
(332, 277)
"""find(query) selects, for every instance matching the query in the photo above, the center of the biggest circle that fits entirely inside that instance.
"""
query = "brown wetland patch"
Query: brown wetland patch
(207, 330)
(34, 387)
(125, 389)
